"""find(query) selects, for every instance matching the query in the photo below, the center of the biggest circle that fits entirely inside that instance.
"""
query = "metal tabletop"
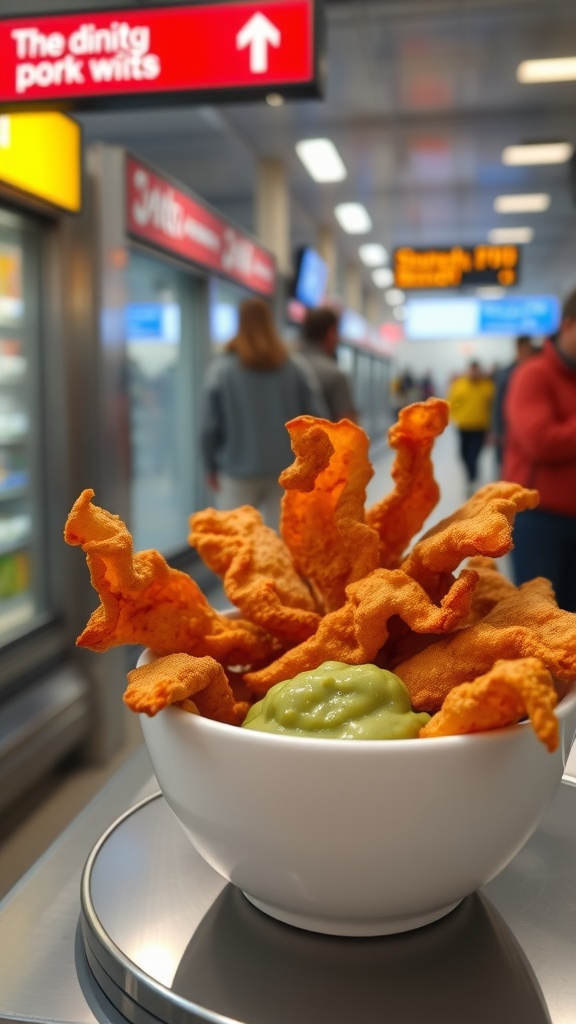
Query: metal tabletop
(506, 953)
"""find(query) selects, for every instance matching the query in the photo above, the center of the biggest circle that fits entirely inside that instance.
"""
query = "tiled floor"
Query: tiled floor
(37, 821)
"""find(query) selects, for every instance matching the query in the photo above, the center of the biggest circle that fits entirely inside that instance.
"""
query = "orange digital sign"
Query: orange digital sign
(460, 265)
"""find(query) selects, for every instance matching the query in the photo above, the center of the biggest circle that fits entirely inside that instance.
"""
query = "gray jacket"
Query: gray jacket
(243, 432)
(333, 382)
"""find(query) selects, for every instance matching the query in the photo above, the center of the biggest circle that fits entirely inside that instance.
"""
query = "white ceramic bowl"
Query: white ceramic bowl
(354, 837)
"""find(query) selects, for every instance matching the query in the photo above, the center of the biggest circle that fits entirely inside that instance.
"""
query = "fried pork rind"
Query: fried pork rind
(491, 588)
(145, 601)
(174, 679)
(526, 624)
(322, 519)
(482, 526)
(355, 632)
(503, 696)
(403, 512)
(313, 450)
(257, 571)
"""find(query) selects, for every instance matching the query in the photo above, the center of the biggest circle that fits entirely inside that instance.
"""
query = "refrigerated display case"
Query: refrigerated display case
(44, 698)
(22, 587)
(160, 346)
(46, 706)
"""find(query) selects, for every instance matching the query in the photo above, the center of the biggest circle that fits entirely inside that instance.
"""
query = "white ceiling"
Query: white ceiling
(421, 98)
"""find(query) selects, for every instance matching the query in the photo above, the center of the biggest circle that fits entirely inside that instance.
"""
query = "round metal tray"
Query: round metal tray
(169, 941)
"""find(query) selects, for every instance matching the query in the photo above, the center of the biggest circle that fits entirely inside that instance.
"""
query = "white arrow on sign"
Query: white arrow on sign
(258, 33)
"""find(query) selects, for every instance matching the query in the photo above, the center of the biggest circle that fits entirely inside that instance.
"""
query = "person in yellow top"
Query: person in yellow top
(471, 397)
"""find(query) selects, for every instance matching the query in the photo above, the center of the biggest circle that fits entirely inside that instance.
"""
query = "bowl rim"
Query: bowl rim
(363, 747)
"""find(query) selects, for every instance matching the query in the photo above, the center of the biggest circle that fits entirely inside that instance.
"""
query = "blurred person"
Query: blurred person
(250, 392)
(397, 393)
(411, 388)
(470, 397)
(524, 349)
(404, 391)
(540, 452)
(319, 341)
(427, 386)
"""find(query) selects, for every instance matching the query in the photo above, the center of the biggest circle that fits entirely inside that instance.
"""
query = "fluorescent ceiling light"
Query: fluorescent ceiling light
(530, 202)
(321, 159)
(557, 69)
(353, 218)
(515, 236)
(373, 254)
(538, 153)
(383, 277)
(394, 296)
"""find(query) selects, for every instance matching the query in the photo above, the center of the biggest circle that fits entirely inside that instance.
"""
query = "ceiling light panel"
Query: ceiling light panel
(538, 153)
(530, 202)
(353, 218)
(321, 159)
(558, 69)
(373, 254)
(383, 277)
(510, 236)
(394, 296)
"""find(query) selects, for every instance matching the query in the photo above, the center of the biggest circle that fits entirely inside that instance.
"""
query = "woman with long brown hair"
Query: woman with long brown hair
(250, 392)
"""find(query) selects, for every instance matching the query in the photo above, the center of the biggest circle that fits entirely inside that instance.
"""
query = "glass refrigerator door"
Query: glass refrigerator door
(22, 587)
(225, 301)
(159, 341)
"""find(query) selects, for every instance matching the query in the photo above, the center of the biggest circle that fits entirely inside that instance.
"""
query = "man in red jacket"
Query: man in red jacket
(540, 452)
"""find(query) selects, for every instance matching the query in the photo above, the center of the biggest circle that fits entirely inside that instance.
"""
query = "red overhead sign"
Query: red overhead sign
(219, 50)
(164, 215)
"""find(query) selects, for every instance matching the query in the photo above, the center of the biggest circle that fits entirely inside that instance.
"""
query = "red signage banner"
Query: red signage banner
(219, 50)
(166, 216)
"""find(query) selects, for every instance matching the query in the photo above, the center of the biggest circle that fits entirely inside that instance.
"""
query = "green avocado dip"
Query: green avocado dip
(338, 701)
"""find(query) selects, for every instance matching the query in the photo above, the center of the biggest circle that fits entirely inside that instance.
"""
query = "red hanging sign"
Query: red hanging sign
(215, 49)
(172, 219)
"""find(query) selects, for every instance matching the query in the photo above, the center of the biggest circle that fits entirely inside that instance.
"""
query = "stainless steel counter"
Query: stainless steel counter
(505, 954)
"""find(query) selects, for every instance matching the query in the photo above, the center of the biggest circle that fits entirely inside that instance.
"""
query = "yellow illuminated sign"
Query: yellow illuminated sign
(41, 154)
(452, 268)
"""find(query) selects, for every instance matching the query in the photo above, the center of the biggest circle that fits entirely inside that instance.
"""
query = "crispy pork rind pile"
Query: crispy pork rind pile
(509, 692)
(340, 583)
(176, 679)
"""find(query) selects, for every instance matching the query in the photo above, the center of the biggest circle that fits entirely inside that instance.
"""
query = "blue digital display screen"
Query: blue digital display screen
(153, 321)
(528, 314)
(428, 319)
(311, 278)
(224, 318)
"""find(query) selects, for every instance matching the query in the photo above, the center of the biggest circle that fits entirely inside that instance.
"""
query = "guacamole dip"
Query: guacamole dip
(338, 701)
